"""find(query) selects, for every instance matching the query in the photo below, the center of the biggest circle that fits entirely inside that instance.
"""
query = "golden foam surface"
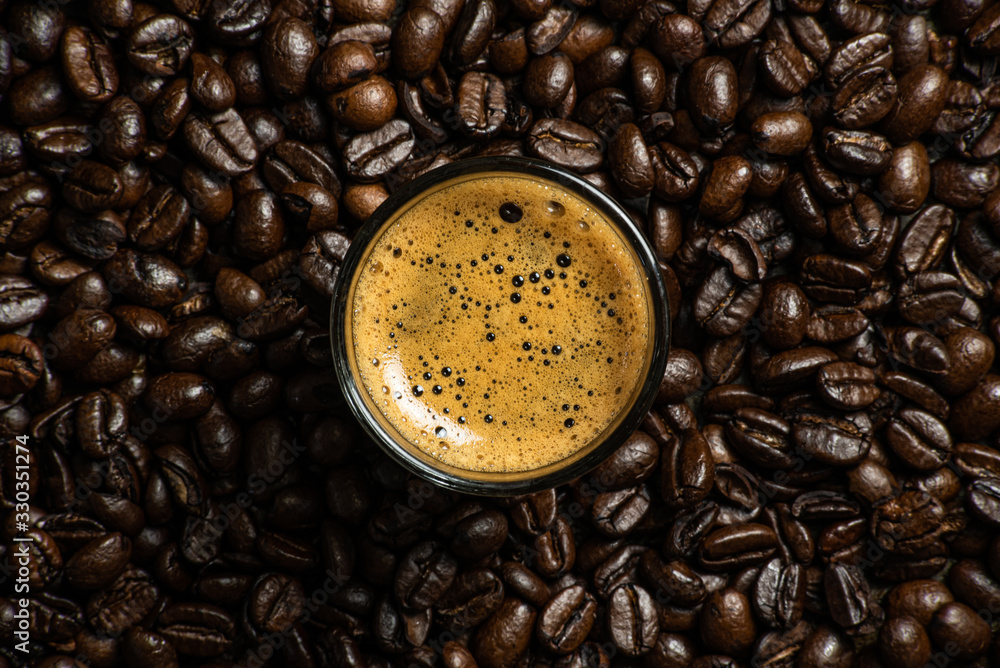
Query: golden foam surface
(495, 345)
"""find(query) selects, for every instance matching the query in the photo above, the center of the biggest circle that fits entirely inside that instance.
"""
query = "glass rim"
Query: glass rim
(494, 483)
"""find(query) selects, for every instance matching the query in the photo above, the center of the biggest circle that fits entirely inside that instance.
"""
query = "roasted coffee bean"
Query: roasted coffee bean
(288, 49)
(632, 464)
(274, 602)
(864, 97)
(617, 513)
(922, 93)
(92, 186)
(566, 143)
(832, 323)
(971, 354)
(418, 41)
(961, 184)
(547, 80)
(37, 97)
(679, 39)
(784, 68)
(525, 583)
(782, 132)
(158, 219)
(859, 53)
(648, 80)
(903, 642)
(727, 183)
(724, 359)
(632, 620)
(917, 599)
(925, 240)
(160, 45)
(473, 31)
(727, 624)
(546, 33)
(723, 305)
(849, 597)
(959, 625)
(740, 251)
(89, 64)
(674, 582)
(290, 162)
(720, 22)
(687, 469)
(839, 441)
(712, 89)
(473, 596)
(21, 302)
(209, 195)
(555, 550)
(505, 635)
(370, 156)
(197, 629)
(221, 141)
(424, 575)
(857, 151)
(565, 621)
(211, 86)
(259, 226)
(779, 594)
(536, 513)
(344, 64)
(22, 365)
(761, 437)
(847, 386)
(984, 500)
(676, 175)
(835, 279)
(607, 68)
(683, 376)
(78, 337)
(142, 646)
(830, 185)
(737, 545)
(365, 106)
(413, 109)
(630, 161)
(783, 314)
(906, 182)
(98, 563)
(976, 402)
(479, 534)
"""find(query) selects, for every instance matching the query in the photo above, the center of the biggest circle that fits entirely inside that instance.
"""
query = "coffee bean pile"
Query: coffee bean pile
(817, 485)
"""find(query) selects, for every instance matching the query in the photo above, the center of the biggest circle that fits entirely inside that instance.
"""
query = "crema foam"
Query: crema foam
(501, 323)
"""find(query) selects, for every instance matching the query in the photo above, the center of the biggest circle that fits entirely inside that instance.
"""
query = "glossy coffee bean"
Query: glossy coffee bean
(903, 642)
(727, 625)
(959, 625)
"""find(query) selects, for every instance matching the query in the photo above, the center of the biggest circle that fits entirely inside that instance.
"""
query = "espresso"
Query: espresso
(501, 324)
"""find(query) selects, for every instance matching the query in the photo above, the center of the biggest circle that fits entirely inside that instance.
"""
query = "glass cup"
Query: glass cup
(493, 483)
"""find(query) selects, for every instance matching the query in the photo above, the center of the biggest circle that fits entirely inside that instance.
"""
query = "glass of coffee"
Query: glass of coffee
(499, 326)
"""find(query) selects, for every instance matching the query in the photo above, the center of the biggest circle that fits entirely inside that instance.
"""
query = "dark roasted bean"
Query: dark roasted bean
(372, 155)
(505, 635)
(712, 89)
(221, 141)
(566, 143)
(727, 625)
(632, 620)
(565, 621)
